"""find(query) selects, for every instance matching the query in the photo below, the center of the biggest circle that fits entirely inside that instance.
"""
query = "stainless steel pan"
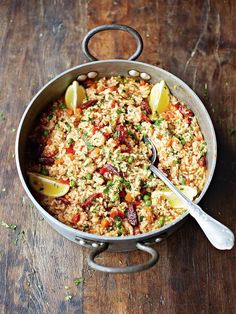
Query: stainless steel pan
(57, 86)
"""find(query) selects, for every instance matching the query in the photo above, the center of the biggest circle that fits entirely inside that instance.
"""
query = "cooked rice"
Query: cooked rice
(74, 148)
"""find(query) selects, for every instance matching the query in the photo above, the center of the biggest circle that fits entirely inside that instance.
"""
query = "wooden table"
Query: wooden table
(196, 41)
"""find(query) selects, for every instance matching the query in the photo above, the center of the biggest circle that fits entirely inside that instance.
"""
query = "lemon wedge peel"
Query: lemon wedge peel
(47, 186)
(74, 96)
(159, 99)
(173, 200)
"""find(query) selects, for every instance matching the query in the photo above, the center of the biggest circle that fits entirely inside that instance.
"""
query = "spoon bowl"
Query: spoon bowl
(220, 236)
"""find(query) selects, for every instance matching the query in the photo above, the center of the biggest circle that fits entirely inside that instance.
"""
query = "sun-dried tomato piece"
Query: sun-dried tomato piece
(202, 161)
(145, 107)
(90, 199)
(132, 215)
(75, 218)
(88, 104)
(122, 133)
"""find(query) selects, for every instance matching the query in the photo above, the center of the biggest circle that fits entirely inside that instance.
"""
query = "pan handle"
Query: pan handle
(121, 270)
(106, 27)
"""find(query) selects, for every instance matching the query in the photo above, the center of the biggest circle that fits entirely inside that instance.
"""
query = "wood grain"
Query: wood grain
(194, 40)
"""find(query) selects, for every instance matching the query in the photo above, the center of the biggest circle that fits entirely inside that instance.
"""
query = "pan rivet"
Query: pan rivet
(94, 245)
(82, 77)
(81, 242)
(92, 74)
(133, 73)
(145, 76)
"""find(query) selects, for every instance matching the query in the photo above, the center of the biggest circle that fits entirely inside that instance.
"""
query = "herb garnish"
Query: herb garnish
(8, 226)
(78, 281)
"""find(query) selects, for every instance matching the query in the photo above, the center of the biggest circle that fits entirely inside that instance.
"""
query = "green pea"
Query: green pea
(116, 197)
(45, 133)
(122, 180)
(106, 191)
(117, 218)
(148, 203)
(89, 176)
(119, 224)
(146, 197)
(50, 117)
(138, 127)
(70, 141)
(161, 221)
(141, 218)
(44, 171)
(130, 159)
(73, 183)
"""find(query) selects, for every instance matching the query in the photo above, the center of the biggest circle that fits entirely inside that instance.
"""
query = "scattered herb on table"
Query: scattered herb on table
(78, 281)
(8, 226)
(20, 237)
(2, 116)
(69, 295)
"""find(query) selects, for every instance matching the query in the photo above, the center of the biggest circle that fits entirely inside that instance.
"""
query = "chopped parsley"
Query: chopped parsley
(62, 106)
(8, 226)
(182, 140)
(78, 281)
(158, 121)
(45, 133)
(2, 116)
(89, 145)
(68, 127)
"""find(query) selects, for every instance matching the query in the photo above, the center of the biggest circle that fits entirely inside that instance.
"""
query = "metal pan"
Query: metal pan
(57, 86)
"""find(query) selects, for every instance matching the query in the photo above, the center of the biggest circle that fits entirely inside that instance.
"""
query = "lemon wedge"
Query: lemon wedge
(47, 186)
(159, 99)
(75, 94)
(173, 200)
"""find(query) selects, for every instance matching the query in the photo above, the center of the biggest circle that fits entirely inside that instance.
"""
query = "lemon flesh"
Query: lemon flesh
(173, 200)
(159, 99)
(75, 94)
(47, 186)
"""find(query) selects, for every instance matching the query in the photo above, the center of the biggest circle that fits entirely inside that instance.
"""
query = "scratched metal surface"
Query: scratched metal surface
(194, 40)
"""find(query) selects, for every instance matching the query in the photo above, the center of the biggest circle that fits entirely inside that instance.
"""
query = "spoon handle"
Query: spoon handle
(219, 235)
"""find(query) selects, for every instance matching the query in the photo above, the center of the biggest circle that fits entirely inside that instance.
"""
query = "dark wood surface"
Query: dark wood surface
(196, 41)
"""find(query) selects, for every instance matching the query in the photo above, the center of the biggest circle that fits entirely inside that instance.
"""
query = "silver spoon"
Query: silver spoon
(219, 235)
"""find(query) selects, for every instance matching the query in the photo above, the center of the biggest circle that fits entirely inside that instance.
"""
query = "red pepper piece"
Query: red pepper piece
(95, 129)
(111, 169)
(70, 149)
(88, 104)
(90, 199)
(136, 203)
(75, 218)
(107, 135)
(117, 213)
(113, 104)
(67, 181)
(113, 88)
(145, 118)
